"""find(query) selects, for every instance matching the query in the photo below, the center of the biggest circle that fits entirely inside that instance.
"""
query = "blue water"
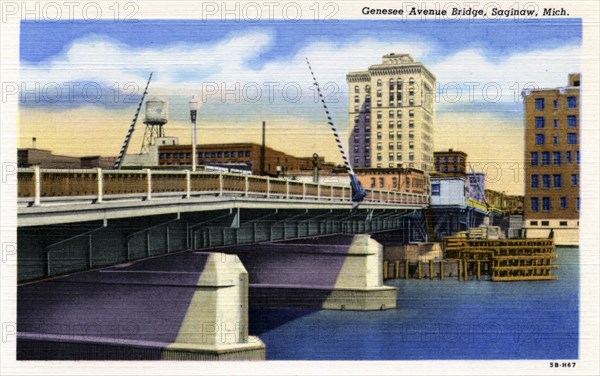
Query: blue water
(438, 320)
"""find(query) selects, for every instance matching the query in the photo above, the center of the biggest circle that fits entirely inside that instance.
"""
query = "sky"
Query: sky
(81, 82)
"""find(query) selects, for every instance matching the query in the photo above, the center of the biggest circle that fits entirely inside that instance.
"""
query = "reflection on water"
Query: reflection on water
(439, 320)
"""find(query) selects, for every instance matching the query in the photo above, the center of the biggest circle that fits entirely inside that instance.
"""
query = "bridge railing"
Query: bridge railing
(35, 185)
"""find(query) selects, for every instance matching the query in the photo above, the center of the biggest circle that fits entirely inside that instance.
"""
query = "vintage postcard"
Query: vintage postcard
(289, 187)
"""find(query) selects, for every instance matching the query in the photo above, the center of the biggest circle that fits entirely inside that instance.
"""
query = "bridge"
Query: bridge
(225, 240)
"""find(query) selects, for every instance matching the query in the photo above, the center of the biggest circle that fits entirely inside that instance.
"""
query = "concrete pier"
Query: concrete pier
(338, 272)
(186, 306)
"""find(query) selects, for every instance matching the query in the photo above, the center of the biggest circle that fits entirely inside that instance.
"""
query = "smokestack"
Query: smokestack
(263, 149)
(33, 139)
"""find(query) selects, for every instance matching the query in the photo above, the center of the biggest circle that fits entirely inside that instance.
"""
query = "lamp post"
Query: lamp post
(193, 112)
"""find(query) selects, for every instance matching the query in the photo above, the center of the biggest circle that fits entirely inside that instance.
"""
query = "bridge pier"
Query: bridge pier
(336, 272)
(188, 306)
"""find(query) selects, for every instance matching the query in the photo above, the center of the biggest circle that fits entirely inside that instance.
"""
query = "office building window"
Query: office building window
(555, 123)
(563, 202)
(557, 181)
(391, 114)
(373, 183)
(540, 139)
(572, 121)
(572, 102)
(574, 180)
(379, 135)
(557, 156)
(399, 157)
(546, 204)
(546, 181)
(569, 157)
(571, 138)
(435, 189)
(533, 223)
(540, 103)
(535, 204)
(577, 157)
(578, 205)
(556, 140)
(356, 89)
(391, 157)
(564, 223)
(381, 182)
(546, 158)
(540, 122)
(534, 159)
(356, 99)
(535, 181)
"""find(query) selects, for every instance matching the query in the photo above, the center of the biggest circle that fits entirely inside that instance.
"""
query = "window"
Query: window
(162, 155)
(555, 123)
(546, 181)
(394, 182)
(248, 153)
(572, 121)
(356, 99)
(373, 184)
(563, 204)
(563, 223)
(391, 157)
(546, 204)
(379, 135)
(391, 125)
(578, 157)
(381, 182)
(391, 114)
(391, 146)
(535, 204)
(535, 181)
(546, 158)
(188, 155)
(557, 181)
(356, 89)
(540, 103)
(569, 157)
(557, 157)
(574, 180)
(435, 189)
(578, 204)
(379, 94)
(572, 102)
(540, 122)
(533, 223)
(378, 83)
(545, 223)
(455, 168)
(556, 103)
(379, 125)
(534, 159)
(379, 147)
(571, 138)
(556, 140)
(540, 139)
(175, 155)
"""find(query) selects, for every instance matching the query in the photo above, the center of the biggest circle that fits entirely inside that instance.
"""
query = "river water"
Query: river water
(438, 320)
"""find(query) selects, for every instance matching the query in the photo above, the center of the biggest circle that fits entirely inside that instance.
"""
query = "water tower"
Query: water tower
(156, 116)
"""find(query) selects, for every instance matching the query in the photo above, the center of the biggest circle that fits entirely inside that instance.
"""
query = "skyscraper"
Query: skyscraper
(392, 114)
(552, 162)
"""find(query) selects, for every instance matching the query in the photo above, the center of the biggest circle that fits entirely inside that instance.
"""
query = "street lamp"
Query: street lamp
(193, 111)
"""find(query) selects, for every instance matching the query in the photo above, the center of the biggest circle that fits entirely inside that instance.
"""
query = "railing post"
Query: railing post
(268, 186)
(38, 185)
(148, 184)
(287, 189)
(221, 183)
(318, 191)
(246, 185)
(188, 184)
(100, 181)
(303, 190)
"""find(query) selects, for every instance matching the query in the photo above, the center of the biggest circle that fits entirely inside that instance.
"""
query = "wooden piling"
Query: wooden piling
(431, 269)
(385, 269)
(459, 270)
(406, 274)
(397, 271)
(441, 270)
(420, 268)
(478, 270)
(466, 270)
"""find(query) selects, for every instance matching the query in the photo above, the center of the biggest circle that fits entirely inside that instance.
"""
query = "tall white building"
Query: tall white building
(392, 114)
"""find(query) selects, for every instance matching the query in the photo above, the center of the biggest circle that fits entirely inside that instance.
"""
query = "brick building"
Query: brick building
(552, 126)
(451, 162)
(273, 162)
(394, 179)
